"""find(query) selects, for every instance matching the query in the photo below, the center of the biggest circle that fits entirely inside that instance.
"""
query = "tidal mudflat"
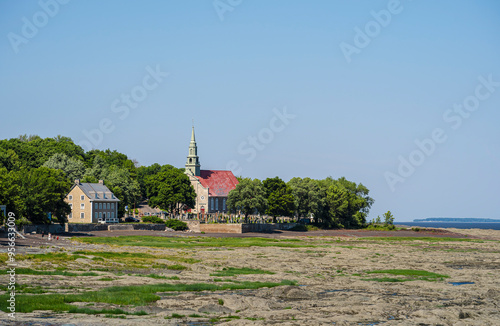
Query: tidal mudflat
(157, 280)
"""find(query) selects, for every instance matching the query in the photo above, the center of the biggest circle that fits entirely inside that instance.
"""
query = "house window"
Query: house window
(71, 206)
(100, 205)
(96, 206)
(107, 205)
(224, 204)
(211, 204)
(96, 216)
(112, 205)
(112, 215)
(100, 215)
(70, 215)
(217, 204)
(82, 206)
(82, 215)
(70, 197)
(82, 197)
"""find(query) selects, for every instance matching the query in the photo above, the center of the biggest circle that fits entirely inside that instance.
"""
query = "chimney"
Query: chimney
(77, 181)
(101, 182)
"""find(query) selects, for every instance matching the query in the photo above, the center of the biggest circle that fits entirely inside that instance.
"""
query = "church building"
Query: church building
(211, 186)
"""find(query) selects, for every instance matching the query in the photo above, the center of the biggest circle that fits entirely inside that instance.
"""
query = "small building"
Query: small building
(92, 203)
(211, 186)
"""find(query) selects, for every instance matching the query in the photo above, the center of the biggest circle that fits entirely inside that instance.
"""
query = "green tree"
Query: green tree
(42, 190)
(171, 190)
(306, 193)
(33, 151)
(72, 168)
(388, 218)
(9, 192)
(248, 197)
(338, 204)
(142, 173)
(273, 184)
(281, 203)
(9, 159)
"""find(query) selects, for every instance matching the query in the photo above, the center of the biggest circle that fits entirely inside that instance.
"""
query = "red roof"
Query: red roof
(220, 183)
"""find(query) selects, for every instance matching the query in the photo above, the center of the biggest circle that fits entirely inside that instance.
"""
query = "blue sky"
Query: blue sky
(272, 90)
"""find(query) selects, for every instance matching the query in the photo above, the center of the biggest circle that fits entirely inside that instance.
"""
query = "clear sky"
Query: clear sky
(403, 97)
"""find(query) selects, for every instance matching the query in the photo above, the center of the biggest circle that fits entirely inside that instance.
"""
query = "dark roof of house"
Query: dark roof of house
(97, 191)
(219, 183)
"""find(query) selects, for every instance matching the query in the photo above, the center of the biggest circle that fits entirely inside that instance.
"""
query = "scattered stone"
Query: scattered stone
(215, 309)
(463, 315)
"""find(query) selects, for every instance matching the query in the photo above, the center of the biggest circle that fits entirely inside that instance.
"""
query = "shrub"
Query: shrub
(152, 219)
(176, 225)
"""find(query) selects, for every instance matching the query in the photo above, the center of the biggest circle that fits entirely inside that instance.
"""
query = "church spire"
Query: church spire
(193, 161)
(192, 136)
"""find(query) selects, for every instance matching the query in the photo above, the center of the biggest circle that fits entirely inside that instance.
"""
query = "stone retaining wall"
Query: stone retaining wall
(120, 227)
(46, 228)
(148, 226)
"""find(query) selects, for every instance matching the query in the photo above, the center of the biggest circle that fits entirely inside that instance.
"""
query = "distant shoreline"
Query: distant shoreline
(457, 220)
(451, 225)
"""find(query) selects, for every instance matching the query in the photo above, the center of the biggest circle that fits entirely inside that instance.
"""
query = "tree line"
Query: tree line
(331, 203)
(37, 173)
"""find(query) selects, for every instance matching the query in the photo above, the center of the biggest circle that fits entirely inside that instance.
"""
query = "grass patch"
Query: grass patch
(232, 271)
(54, 257)
(176, 267)
(429, 239)
(29, 271)
(174, 315)
(76, 310)
(122, 295)
(193, 242)
(409, 274)
(133, 256)
(161, 277)
(106, 279)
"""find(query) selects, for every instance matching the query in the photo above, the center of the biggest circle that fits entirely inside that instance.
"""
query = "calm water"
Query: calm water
(457, 225)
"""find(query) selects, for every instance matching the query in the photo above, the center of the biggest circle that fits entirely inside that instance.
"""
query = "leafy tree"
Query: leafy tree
(388, 218)
(281, 203)
(111, 158)
(73, 168)
(9, 192)
(338, 203)
(33, 151)
(306, 193)
(170, 189)
(273, 184)
(42, 190)
(142, 173)
(248, 197)
(9, 159)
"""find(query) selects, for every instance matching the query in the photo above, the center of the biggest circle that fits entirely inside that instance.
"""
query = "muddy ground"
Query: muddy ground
(333, 283)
